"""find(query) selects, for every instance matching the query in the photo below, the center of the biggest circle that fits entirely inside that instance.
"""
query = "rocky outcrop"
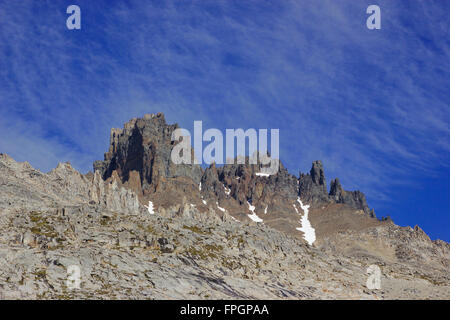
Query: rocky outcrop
(139, 159)
(312, 186)
(140, 156)
(243, 182)
(354, 199)
(144, 147)
(112, 195)
(28, 188)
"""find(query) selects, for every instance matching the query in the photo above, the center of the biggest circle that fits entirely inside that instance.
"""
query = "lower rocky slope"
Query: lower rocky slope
(186, 249)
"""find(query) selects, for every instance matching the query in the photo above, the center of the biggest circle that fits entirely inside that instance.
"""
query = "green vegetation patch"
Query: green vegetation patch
(42, 226)
(196, 229)
(206, 252)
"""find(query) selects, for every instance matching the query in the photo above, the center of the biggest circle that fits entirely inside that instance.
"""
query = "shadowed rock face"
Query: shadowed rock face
(245, 185)
(354, 199)
(144, 145)
(312, 186)
(140, 156)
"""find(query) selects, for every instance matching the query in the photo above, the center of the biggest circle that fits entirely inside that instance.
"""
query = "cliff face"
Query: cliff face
(141, 150)
(312, 186)
(139, 156)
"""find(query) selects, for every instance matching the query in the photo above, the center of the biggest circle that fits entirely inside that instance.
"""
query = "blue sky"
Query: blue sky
(373, 105)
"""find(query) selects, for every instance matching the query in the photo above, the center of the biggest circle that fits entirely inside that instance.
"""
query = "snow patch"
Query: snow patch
(227, 191)
(262, 174)
(220, 208)
(306, 228)
(265, 210)
(253, 216)
(200, 186)
(204, 202)
(150, 207)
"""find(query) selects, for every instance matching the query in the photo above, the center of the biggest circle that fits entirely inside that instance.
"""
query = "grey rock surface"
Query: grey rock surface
(199, 241)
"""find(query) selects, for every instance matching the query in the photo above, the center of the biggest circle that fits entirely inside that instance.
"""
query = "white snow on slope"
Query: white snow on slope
(220, 208)
(234, 218)
(253, 216)
(150, 208)
(306, 228)
(265, 210)
(227, 191)
(200, 186)
(262, 174)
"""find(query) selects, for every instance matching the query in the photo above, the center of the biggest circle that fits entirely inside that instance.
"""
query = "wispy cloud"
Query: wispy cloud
(373, 105)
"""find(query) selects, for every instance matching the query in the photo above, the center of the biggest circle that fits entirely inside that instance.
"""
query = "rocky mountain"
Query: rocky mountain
(143, 227)
(139, 158)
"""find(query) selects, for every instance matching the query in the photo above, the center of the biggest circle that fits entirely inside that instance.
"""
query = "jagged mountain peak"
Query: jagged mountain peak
(139, 156)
